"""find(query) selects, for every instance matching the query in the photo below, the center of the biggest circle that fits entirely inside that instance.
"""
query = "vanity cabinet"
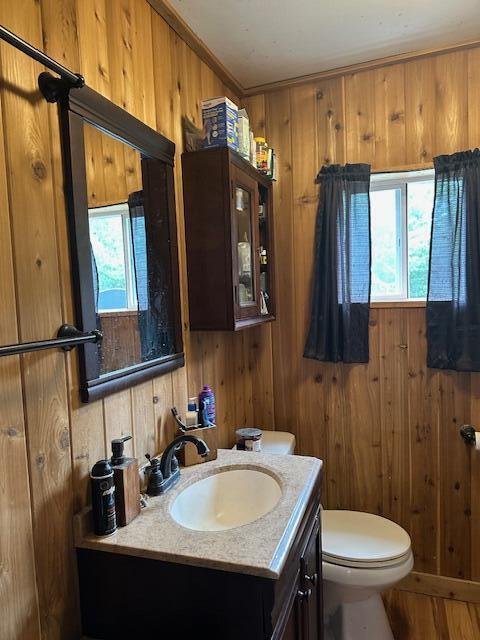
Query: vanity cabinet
(229, 238)
(123, 596)
(303, 608)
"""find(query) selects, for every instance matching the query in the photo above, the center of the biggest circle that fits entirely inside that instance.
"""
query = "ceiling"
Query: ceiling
(261, 41)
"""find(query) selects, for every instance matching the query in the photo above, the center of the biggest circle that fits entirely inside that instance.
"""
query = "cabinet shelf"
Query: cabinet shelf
(228, 287)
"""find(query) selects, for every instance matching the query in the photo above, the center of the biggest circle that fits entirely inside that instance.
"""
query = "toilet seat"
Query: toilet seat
(369, 564)
(362, 540)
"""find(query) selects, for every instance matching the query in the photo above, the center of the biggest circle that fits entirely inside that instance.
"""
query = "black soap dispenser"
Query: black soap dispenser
(127, 482)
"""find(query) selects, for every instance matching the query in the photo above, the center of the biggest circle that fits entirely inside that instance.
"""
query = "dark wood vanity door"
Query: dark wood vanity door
(293, 627)
(310, 592)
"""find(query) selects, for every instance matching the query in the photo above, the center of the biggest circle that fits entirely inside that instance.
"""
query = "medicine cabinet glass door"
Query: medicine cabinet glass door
(245, 230)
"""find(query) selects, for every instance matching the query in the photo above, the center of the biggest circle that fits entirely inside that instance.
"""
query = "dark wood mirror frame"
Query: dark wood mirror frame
(77, 107)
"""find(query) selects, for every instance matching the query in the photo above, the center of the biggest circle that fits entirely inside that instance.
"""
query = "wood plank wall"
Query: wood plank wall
(48, 440)
(388, 432)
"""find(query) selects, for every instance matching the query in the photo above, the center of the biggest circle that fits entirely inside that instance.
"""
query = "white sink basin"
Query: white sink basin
(226, 500)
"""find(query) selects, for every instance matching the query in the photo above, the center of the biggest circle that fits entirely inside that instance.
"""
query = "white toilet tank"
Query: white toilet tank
(281, 442)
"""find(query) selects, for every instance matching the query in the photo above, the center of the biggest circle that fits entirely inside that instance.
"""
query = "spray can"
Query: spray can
(103, 498)
(206, 400)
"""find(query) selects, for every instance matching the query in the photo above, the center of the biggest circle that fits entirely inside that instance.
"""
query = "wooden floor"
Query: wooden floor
(417, 617)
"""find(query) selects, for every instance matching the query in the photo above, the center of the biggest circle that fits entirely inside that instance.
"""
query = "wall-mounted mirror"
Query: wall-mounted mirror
(121, 206)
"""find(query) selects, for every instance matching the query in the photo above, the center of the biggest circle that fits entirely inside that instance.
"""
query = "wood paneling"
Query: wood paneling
(418, 617)
(278, 131)
(48, 439)
(17, 578)
(39, 303)
(387, 431)
(433, 585)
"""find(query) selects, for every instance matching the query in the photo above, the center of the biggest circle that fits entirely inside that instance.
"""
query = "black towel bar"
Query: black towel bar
(75, 79)
(67, 338)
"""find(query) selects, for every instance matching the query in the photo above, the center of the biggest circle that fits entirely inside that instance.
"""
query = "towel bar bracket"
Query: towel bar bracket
(468, 433)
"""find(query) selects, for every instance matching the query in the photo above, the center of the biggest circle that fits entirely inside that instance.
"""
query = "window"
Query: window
(401, 216)
(111, 239)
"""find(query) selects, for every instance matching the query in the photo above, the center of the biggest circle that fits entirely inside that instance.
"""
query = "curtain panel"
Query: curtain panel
(341, 283)
(453, 304)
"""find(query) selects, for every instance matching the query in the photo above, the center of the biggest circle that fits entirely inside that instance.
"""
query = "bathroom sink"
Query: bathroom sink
(226, 500)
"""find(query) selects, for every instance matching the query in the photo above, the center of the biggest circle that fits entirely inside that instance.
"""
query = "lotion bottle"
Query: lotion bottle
(127, 482)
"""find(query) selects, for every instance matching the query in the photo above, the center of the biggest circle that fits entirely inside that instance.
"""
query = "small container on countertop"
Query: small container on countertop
(249, 439)
(191, 417)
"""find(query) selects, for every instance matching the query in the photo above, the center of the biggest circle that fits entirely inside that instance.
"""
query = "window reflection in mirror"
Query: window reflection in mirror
(129, 240)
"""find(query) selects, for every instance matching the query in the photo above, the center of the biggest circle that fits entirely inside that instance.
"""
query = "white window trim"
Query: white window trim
(114, 210)
(400, 180)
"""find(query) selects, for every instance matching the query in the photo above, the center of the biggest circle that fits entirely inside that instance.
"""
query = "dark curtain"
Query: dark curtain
(341, 286)
(96, 284)
(96, 291)
(140, 262)
(453, 305)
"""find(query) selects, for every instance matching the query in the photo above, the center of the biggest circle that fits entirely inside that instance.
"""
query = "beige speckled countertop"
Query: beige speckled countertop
(258, 548)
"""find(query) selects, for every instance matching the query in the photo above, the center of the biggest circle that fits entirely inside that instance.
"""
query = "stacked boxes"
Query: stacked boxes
(225, 125)
(244, 134)
(220, 123)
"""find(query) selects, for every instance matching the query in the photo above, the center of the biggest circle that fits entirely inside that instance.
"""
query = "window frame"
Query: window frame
(400, 180)
(121, 209)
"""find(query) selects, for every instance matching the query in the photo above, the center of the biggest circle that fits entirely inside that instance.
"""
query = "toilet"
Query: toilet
(362, 555)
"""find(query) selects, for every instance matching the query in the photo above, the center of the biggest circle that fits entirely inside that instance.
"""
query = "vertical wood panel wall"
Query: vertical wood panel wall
(387, 431)
(48, 439)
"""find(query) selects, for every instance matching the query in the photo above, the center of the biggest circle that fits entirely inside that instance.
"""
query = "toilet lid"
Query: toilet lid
(362, 539)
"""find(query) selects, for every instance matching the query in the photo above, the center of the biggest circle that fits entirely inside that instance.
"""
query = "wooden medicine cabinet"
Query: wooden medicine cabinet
(229, 236)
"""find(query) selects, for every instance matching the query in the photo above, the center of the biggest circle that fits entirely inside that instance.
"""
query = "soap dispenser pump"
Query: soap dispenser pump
(127, 482)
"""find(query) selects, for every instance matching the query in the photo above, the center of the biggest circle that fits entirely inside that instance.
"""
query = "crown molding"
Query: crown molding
(360, 66)
(178, 24)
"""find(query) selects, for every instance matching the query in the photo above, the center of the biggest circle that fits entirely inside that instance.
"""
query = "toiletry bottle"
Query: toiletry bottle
(207, 395)
(261, 154)
(203, 413)
(103, 498)
(127, 482)
(191, 418)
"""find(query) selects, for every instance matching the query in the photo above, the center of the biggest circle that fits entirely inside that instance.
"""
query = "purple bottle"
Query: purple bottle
(208, 397)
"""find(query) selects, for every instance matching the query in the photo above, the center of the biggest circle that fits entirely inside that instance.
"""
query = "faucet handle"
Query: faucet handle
(155, 478)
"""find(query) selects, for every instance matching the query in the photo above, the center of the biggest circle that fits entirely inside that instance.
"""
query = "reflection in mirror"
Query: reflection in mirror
(245, 247)
(129, 240)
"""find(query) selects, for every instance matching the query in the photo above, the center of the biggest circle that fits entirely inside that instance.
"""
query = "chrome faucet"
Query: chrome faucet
(168, 466)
